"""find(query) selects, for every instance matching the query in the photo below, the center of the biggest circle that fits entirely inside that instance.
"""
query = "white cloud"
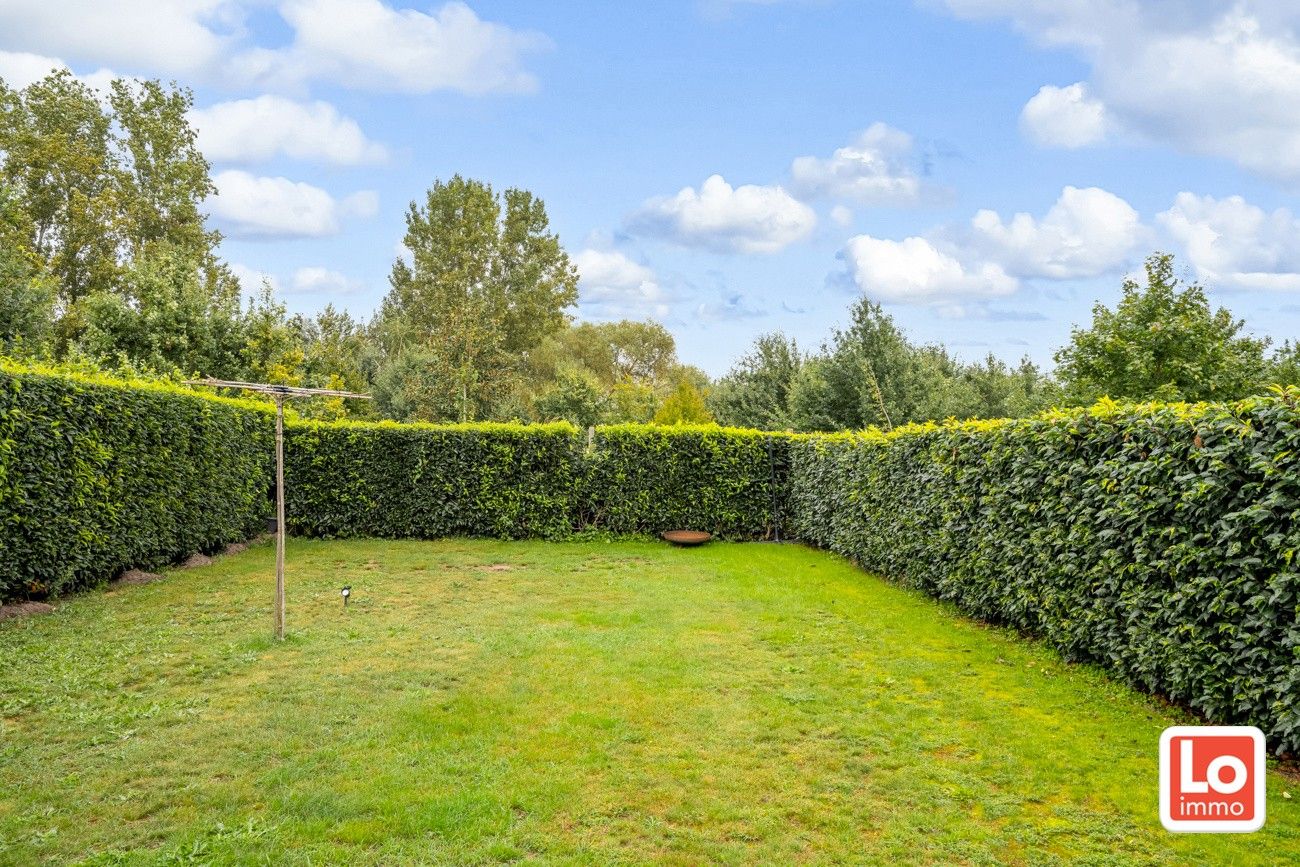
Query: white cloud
(841, 216)
(1066, 117)
(1233, 244)
(874, 170)
(260, 207)
(368, 45)
(1220, 79)
(914, 271)
(19, 69)
(251, 279)
(1085, 233)
(178, 36)
(256, 130)
(611, 286)
(316, 280)
(744, 219)
(363, 44)
(310, 280)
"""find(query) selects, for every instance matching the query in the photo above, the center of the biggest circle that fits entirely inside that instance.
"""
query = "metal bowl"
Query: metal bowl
(687, 538)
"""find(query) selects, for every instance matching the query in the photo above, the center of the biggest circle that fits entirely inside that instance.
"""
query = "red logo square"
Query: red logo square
(1212, 778)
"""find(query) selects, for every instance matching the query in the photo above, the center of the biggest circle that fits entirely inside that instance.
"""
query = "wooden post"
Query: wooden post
(279, 517)
(278, 393)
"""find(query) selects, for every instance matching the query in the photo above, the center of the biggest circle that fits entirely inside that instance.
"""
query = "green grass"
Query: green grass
(588, 703)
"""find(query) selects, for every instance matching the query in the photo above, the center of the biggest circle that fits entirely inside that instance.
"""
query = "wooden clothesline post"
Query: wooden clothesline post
(278, 393)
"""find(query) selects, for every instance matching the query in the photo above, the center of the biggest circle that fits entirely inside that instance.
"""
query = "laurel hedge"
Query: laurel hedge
(647, 479)
(514, 481)
(97, 476)
(1159, 541)
(426, 481)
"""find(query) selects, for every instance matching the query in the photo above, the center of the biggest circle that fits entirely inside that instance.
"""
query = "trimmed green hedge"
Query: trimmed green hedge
(514, 481)
(97, 476)
(426, 481)
(647, 479)
(1159, 541)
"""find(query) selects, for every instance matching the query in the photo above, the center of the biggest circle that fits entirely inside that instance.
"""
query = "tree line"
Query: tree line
(107, 260)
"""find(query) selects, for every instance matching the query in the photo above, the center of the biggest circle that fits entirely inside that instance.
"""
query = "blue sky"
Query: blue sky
(987, 168)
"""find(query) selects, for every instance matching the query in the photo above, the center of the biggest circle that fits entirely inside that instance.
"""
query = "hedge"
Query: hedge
(647, 479)
(426, 481)
(514, 481)
(97, 476)
(1159, 541)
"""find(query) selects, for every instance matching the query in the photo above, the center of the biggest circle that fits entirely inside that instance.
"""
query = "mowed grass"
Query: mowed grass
(596, 703)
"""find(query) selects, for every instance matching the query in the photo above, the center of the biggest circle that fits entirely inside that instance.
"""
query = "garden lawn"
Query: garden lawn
(569, 702)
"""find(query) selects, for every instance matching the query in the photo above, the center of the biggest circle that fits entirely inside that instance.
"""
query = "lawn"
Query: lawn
(591, 703)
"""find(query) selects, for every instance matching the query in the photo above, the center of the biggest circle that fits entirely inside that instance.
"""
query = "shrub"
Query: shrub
(646, 479)
(427, 481)
(97, 476)
(1157, 540)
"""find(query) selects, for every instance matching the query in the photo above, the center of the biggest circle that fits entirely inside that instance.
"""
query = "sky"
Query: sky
(986, 169)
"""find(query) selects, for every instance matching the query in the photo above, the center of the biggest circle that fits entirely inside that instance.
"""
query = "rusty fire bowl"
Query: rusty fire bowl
(687, 538)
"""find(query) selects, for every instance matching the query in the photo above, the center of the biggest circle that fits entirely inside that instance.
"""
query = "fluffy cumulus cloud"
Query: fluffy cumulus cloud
(365, 44)
(1221, 79)
(256, 130)
(1085, 233)
(20, 68)
(611, 286)
(310, 280)
(1067, 117)
(874, 170)
(176, 37)
(915, 271)
(1235, 245)
(250, 206)
(726, 219)
(370, 45)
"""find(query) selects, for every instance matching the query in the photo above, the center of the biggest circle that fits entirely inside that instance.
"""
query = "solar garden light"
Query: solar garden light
(346, 591)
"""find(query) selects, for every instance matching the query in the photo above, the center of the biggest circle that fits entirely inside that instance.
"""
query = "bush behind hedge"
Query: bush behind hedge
(1157, 540)
(97, 476)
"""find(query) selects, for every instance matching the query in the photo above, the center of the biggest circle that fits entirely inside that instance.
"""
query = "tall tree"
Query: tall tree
(27, 294)
(486, 283)
(1161, 342)
(756, 392)
(866, 377)
(163, 177)
(104, 193)
(58, 157)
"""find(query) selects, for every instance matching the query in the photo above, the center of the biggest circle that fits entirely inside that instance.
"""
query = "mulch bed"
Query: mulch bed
(22, 609)
(137, 576)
